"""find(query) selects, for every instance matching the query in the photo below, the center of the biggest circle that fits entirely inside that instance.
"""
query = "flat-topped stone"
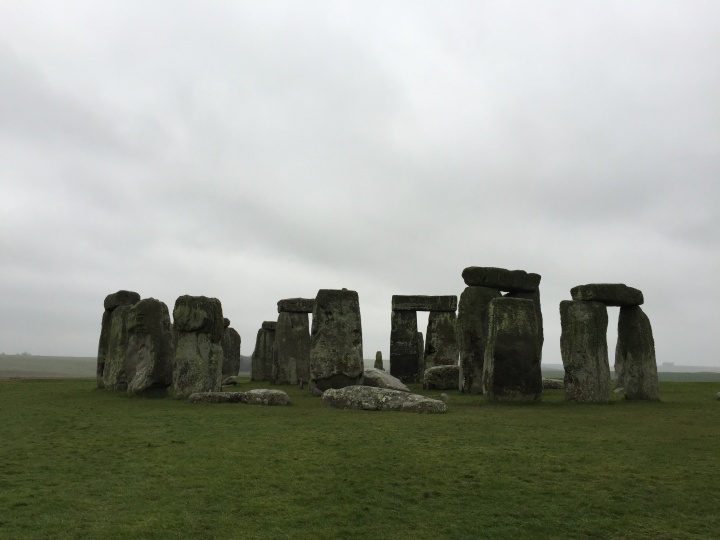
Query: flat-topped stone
(296, 305)
(501, 279)
(418, 302)
(368, 398)
(269, 325)
(610, 294)
(120, 298)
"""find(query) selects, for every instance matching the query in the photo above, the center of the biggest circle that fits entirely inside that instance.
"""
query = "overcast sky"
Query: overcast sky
(254, 151)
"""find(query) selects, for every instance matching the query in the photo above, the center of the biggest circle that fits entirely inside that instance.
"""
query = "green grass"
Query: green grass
(76, 462)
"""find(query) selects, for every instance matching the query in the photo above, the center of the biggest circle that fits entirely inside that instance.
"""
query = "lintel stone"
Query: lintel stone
(420, 302)
(296, 305)
(269, 325)
(501, 279)
(610, 294)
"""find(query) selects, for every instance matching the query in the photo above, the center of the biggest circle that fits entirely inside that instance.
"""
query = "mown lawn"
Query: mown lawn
(76, 462)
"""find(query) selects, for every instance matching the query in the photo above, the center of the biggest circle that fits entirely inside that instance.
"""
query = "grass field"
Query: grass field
(76, 462)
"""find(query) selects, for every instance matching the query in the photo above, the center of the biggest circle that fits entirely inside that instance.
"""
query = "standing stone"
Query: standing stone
(512, 365)
(535, 297)
(583, 347)
(149, 353)
(472, 322)
(115, 375)
(379, 361)
(404, 351)
(420, 340)
(635, 354)
(198, 332)
(441, 340)
(336, 357)
(262, 356)
(112, 301)
(292, 348)
(231, 343)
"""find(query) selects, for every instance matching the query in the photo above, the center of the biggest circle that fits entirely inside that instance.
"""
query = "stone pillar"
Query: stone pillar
(404, 351)
(292, 341)
(231, 343)
(472, 322)
(262, 356)
(441, 340)
(511, 370)
(115, 375)
(336, 357)
(635, 355)
(150, 352)
(112, 301)
(583, 347)
(379, 361)
(420, 355)
(198, 330)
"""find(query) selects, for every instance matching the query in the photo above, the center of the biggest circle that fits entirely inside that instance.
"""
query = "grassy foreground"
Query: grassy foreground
(76, 462)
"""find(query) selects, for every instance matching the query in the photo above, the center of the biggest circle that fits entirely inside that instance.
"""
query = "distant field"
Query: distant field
(76, 462)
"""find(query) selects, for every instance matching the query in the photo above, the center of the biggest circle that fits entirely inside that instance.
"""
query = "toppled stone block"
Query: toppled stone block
(336, 357)
(472, 324)
(380, 399)
(442, 378)
(198, 330)
(512, 365)
(404, 351)
(149, 354)
(441, 340)
(296, 305)
(583, 348)
(251, 397)
(610, 294)
(380, 379)
(423, 303)
(501, 279)
(635, 355)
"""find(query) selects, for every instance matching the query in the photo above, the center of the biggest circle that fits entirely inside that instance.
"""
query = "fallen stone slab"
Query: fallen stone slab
(442, 378)
(419, 302)
(259, 396)
(367, 398)
(381, 379)
(501, 279)
(230, 381)
(610, 294)
(553, 384)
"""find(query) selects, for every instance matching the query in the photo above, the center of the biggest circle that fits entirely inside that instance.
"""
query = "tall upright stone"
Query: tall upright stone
(115, 376)
(635, 355)
(149, 353)
(511, 370)
(336, 357)
(472, 323)
(379, 361)
(198, 330)
(404, 352)
(292, 348)
(231, 343)
(535, 297)
(112, 301)
(583, 348)
(263, 355)
(420, 340)
(441, 347)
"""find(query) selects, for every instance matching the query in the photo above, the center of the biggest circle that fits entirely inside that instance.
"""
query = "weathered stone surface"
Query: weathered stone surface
(296, 305)
(442, 378)
(610, 294)
(553, 384)
(380, 379)
(441, 340)
(511, 371)
(198, 330)
(635, 354)
(263, 356)
(231, 343)
(251, 397)
(149, 354)
(583, 347)
(336, 357)
(472, 325)
(115, 371)
(420, 302)
(535, 297)
(292, 348)
(103, 345)
(379, 361)
(269, 325)
(404, 352)
(500, 278)
(120, 298)
(380, 399)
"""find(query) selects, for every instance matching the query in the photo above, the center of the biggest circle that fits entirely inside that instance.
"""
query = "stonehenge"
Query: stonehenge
(292, 341)
(111, 303)
(263, 355)
(583, 344)
(336, 349)
(231, 343)
(408, 360)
